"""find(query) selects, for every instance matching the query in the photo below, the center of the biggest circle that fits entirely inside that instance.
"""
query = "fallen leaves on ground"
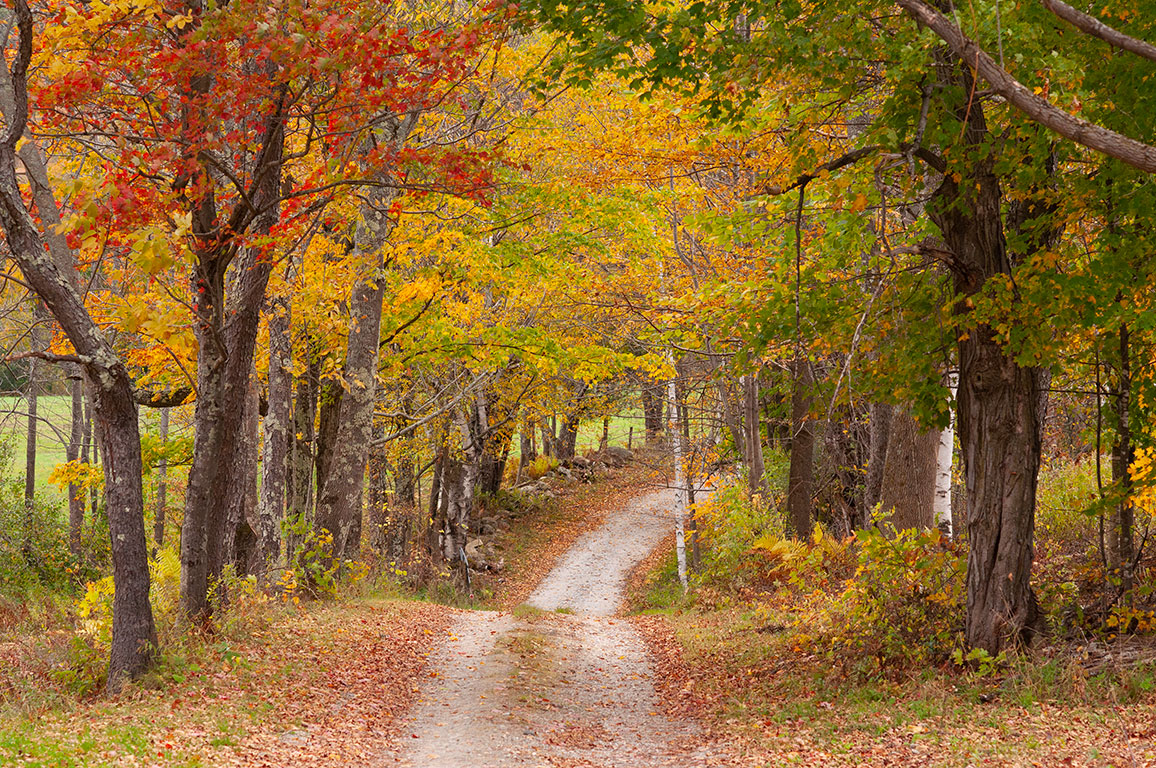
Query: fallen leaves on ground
(320, 687)
(770, 708)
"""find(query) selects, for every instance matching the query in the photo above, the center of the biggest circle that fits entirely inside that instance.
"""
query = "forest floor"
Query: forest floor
(744, 676)
(551, 678)
(554, 676)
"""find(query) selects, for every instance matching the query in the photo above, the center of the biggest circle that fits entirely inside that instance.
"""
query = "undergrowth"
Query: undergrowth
(887, 603)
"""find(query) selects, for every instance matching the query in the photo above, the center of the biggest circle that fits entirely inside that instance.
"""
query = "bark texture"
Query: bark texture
(998, 401)
(753, 438)
(800, 479)
(339, 500)
(907, 493)
(277, 435)
(877, 455)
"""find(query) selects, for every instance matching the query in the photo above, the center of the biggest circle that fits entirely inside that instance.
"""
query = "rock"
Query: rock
(620, 454)
(487, 526)
(472, 548)
(564, 472)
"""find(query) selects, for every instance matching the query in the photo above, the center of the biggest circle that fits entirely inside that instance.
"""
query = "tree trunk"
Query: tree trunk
(1122, 457)
(691, 521)
(678, 458)
(75, 444)
(907, 494)
(329, 396)
(436, 514)
(339, 500)
(341, 485)
(880, 436)
(457, 490)
(490, 473)
(31, 427)
(301, 455)
(753, 439)
(548, 440)
(162, 483)
(800, 480)
(652, 411)
(275, 448)
(526, 450)
(208, 420)
(240, 544)
(568, 439)
(997, 401)
(944, 461)
(226, 330)
(732, 417)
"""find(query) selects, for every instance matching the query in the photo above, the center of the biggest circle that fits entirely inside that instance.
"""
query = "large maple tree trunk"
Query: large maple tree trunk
(226, 330)
(134, 635)
(998, 403)
(339, 500)
(208, 420)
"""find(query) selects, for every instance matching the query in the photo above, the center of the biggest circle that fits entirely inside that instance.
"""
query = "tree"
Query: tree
(929, 112)
(133, 632)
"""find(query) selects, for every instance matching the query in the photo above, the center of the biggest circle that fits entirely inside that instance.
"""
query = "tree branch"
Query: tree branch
(1128, 150)
(1090, 25)
(50, 357)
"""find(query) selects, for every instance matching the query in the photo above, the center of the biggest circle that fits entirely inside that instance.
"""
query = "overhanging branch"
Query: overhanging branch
(1128, 150)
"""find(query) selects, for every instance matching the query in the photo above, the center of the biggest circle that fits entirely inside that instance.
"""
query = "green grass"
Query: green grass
(54, 420)
(54, 416)
(590, 433)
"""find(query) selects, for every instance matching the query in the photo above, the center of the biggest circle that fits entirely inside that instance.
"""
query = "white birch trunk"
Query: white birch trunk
(944, 457)
(674, 432)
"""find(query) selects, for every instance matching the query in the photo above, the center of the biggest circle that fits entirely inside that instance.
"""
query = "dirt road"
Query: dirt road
(563, 683)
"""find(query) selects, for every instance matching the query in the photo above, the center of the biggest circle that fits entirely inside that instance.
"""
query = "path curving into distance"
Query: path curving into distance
(566, 690)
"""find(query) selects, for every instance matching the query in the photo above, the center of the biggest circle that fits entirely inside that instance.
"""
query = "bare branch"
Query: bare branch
(50, 357)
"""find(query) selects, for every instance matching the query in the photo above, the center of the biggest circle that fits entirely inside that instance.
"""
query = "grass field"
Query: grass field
(54, 413)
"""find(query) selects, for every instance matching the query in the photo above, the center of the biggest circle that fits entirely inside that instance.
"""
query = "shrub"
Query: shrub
(34, 548)
(314, 571)
(737, 530)
(903, 606)
(540, 466)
